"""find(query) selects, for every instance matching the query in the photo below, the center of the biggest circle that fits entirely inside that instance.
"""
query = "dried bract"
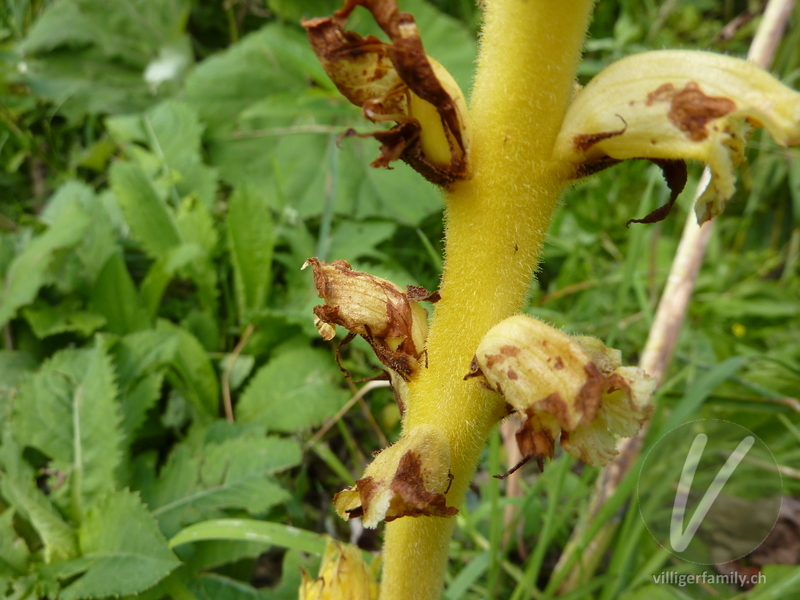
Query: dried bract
(397, 82)
(669, 106)
(343, 575)
(572, 387)
(409, 479)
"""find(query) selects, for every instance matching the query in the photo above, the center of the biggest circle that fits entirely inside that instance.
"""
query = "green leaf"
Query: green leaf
(14, 553)
(232, 474)
(141, 359)
(176, 134)
(192, 373)
(29, 270)
(19, 489)
(46, 320)
(128, 551)
(276, 534)
(89, 55)
(782, 581)
(152, 223)
(295, 390)
(68, 410)
(114, 296)
(219, 587)
(250, 242)
(274, 59)
(215, 553)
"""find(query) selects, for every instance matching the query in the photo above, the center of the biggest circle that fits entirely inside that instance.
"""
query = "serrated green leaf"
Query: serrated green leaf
(151, 221)
(68, 410)
(176, 136)
(276, 534)
(29, 270)
(295, 390)
(122, 539)
(18, 488)
(250, 241)
(140, 360)
(232, 474)
(13, 365)
(14, 553)
(192, 373)
(46, 320)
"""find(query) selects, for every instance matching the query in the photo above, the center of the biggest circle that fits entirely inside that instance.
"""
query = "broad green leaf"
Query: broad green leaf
(163, 270)
(151, 221)
(29, 270)
(90, 55)
(352, 240)
(46, 320)
(274, 59)
(68, 410)
(128, 551)
(219, 587)
(293, 10)
(176, 132)
(215, 553)
(232, 474)
(18, 488)
(14, 553)
(140, 360)
(295, 390)
(114, 296)
(13, 365)
(192, 373)
(276, 534)
(250, 242)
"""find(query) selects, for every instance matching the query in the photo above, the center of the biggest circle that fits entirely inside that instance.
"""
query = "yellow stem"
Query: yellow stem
(496, 224)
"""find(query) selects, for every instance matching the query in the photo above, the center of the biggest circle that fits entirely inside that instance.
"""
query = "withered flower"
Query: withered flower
(408, 479)
(397, 82)
(390, 319)
(562, 386)
(343, 575)
(669, 106)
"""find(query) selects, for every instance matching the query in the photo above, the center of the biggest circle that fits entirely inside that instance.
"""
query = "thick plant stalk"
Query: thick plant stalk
(496, 224)
(663, 335)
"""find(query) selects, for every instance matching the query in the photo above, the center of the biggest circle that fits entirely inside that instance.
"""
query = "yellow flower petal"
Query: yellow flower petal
(409, 479)
(675, 105)
(343, 575)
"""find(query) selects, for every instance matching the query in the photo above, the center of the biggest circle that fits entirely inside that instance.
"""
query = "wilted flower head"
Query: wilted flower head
(397, 82)
(672, 105)
(390, 319)
(408, 479)
(562, 386)
(343, 575)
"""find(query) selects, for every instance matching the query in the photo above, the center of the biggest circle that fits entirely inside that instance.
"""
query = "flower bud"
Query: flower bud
(563, 386)
(408, 479)
(674, 105)
(343, 575)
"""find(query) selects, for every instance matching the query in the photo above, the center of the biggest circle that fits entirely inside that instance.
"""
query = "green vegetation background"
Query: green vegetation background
(167, 166)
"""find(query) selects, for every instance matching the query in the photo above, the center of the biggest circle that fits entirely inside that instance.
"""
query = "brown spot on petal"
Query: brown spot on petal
(691, 109)
(512, 374)
(556, 406)
(411, 498)
(591, 393)
(559, 364)
(584, 141)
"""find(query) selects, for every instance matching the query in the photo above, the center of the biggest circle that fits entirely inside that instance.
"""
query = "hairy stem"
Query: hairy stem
(496, 224)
